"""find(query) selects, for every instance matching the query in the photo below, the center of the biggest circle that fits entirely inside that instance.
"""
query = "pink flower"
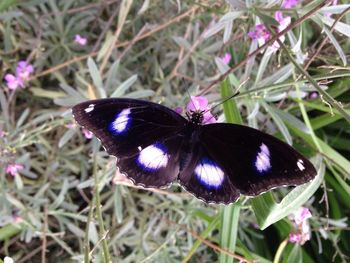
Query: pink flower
(284, 23)
(80, 40)
(70, 125)
(260, 34)
(179, 110)
(24, 70)
(289, 3)
(294, 238)
(301, 215)
(313, 95)
(334, 2)
(17, 219)
(14, 168)
(226, 58)
(200, 104)
(301, 232)
(13, 82)
(88, 134)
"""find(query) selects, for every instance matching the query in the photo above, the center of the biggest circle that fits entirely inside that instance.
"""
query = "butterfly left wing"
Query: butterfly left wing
(142, 135)
(255, 162)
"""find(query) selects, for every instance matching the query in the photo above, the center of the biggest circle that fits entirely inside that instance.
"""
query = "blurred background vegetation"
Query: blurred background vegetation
(61, 197)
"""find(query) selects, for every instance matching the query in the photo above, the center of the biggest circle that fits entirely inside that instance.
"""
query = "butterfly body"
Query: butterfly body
(217, 162)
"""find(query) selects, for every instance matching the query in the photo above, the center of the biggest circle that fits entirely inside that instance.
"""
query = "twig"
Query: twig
(44, 242)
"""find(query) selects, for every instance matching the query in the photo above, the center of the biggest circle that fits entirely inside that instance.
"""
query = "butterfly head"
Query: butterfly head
(198, 111)
(195, 117)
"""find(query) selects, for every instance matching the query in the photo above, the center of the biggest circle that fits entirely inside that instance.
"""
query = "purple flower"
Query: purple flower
(200, 104)
(14, 168)
(294, 238)
(13, 82)
(334, 2)
(301, 215)
(70, 125)
(88, 134)
(313, 95)
(289, 3)
(179, 110)
(226, 58)
(301, 228)
(284, 23)
(260, 34)
(80, 40)
(24, 70)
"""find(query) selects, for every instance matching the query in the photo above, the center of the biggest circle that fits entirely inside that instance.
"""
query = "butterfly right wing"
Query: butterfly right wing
(142, 135)
(255, 162)
(228, 160)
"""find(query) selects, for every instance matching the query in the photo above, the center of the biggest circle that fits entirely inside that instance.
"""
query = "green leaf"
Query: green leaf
(39, 92)
(229, 228)
(268, 20)
(66, 137)
(124, 86)
(112, 75)
(278, 121)
(9, 231)
(96, 77)
(213, 224)
(5, 4)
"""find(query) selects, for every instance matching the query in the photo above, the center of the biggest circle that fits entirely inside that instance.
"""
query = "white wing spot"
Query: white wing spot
(90, 108)
(262, 162)
(209, 173)
(121, 122)
(300, 165)
(153, 157)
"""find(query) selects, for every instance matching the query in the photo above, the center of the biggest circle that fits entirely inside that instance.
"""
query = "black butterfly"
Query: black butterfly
(216, 162)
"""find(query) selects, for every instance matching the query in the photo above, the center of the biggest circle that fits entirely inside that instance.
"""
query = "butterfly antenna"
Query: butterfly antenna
(231, 96)
(190, 98)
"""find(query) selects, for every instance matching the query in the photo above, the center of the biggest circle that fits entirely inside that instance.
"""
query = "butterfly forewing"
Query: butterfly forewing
(254, 161)
(142, 135)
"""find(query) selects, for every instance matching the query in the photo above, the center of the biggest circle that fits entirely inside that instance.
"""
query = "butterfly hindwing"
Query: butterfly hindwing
(142, 135)
(156, 165)
(206, 179)
(254, 161)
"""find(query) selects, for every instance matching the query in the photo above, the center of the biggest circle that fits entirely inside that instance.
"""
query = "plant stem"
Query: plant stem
(102, 232)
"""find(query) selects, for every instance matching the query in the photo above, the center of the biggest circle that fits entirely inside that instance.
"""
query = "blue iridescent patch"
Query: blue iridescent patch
(121, 122)
(209, 174)
(262, 162)
(153, 157)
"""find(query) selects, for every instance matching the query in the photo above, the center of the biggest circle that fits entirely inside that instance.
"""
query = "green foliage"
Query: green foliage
(69, 199)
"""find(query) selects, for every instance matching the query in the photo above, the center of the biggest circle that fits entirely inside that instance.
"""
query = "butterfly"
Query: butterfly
(216, 162)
